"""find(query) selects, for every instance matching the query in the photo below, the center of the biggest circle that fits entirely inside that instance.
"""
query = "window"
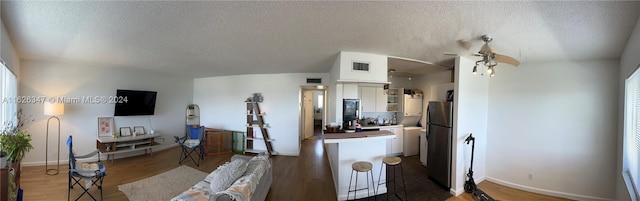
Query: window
(632, 132)
(8, 93)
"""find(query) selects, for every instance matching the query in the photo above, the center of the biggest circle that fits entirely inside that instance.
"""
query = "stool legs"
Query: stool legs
(349, 189)
(387, 180)
(355, 188)
(403, 185)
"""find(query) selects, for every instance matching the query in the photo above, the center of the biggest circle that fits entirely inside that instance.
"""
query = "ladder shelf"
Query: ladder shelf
(255, 122)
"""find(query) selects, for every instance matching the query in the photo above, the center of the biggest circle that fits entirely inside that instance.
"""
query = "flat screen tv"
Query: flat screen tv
(135, 102)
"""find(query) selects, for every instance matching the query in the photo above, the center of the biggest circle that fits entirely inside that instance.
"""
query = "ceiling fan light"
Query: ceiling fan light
(493, 73)
(490, 69)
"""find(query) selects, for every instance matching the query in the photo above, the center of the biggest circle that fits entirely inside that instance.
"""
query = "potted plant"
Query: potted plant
(16, 142)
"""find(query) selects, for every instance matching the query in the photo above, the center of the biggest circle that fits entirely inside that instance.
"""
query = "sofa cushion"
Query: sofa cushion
(226, 174)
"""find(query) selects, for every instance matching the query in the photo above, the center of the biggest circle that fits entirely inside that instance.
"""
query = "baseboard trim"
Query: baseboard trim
(547, 192)
(458, 192)
(286, 153)
(103, 157)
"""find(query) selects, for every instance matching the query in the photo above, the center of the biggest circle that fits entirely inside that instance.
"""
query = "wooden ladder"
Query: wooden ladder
(253, 110)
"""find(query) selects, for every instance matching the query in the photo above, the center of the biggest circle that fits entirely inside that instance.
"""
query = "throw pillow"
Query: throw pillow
(225, 175)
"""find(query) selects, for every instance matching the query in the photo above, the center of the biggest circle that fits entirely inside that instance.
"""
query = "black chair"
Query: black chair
(94, 173)
(192, 142)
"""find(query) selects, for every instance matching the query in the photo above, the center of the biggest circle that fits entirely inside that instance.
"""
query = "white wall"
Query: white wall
(628, 62)
(427, 84)
(7, 51)
(377, 67)
(44, 78)
(558, 122)
(470, 116)
(221, 101)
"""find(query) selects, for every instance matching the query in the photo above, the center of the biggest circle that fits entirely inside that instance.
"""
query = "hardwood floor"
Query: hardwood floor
(307, 177)
(500, 192)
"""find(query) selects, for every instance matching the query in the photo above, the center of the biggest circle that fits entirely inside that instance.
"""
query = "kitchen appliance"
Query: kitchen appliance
(440, 127)
(332, 129)
(409, 108)
(411, 141)
(350, 113)
(423, 147)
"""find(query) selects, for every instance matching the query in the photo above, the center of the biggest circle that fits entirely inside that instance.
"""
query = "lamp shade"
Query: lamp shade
(53, 109)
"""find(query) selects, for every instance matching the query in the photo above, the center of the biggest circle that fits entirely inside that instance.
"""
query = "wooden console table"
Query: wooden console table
(4, 184)
(111, 146)
(218, 141)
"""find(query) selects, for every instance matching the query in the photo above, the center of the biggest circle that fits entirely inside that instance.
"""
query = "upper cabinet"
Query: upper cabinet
(373, 99)
(360, 67)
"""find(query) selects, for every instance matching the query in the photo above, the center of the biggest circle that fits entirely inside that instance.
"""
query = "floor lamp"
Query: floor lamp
(53, 110)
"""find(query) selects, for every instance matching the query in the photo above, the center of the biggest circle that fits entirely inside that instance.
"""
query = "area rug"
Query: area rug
(163, 186)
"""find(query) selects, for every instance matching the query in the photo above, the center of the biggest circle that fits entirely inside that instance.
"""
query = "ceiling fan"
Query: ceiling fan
(489, 58)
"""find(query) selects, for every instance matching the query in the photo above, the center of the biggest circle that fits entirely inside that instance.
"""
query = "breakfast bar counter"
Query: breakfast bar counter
(343, 149)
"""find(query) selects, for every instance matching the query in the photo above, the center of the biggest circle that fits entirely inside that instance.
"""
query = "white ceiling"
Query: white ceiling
(202, 39)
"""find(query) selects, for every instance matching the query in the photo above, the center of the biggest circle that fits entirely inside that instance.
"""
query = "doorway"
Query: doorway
(312, 111)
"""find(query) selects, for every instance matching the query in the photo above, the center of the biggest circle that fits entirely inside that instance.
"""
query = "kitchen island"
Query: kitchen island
(343, 149)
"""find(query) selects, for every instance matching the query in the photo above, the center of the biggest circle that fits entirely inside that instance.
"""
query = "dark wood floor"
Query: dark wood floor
(307, 177)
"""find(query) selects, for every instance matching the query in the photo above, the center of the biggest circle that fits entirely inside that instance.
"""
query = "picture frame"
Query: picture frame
(105, 127)
(125, 131)
(138, 130)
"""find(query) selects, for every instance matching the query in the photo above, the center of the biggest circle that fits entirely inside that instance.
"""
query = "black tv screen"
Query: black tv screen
(132, 103)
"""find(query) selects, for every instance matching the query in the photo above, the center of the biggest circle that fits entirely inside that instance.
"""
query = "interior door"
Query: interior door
(308, 114)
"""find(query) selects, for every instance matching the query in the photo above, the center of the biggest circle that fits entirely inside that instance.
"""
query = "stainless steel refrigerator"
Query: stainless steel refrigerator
(439, 138)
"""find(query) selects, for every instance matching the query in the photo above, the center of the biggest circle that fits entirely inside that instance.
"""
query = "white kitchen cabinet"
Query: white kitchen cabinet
(395, 145)
(368, 99)
(373, 99)
(381, 100)
(350, 91)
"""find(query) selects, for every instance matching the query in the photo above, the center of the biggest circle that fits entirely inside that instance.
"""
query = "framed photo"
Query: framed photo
(138, 130)
(125, 131)
(105, 126)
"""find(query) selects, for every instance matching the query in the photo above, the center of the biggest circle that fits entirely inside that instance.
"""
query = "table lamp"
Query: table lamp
(53, 110)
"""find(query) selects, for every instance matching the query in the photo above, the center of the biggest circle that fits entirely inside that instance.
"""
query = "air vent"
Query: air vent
(358, 66)
(314, 80)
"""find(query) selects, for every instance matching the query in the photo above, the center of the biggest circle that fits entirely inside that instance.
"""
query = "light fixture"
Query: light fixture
(53, 110)
(488, 60)
(475, 69)
(390, 72)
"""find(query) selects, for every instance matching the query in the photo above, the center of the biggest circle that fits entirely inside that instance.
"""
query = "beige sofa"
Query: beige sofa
(261, 191)
(203, 191)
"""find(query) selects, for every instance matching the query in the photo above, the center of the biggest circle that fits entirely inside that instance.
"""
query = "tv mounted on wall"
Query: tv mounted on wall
(135, 103)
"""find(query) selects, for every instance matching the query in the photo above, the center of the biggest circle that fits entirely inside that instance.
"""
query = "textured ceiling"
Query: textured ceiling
(201, 39)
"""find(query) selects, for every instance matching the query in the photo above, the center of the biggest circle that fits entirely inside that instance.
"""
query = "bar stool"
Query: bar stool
(392, 161)
(357, 167)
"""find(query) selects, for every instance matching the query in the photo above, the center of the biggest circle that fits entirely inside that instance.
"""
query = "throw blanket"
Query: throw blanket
(199, 192)
(241, 190)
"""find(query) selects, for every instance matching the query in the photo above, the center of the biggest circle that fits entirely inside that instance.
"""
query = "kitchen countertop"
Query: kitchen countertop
(358, 136)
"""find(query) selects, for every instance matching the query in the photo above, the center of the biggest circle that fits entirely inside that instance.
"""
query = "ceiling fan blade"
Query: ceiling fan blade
(464, 44)
(485, 49)
(506, 59)
(450, 54)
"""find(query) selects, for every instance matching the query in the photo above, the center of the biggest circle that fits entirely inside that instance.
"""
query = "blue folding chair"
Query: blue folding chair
(76, 175)
(192, 142)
